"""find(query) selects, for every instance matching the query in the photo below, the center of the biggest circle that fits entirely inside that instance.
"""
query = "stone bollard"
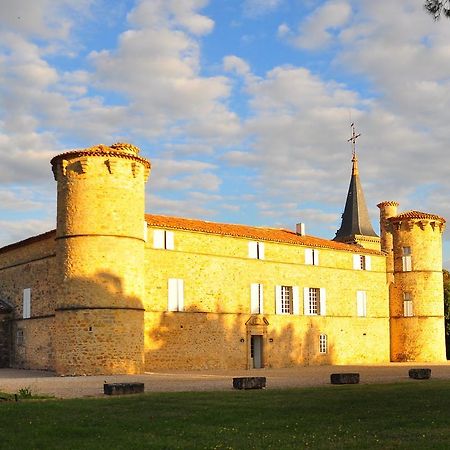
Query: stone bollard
(123, 388)
(420, 374)
(344, 378)
(249, 382)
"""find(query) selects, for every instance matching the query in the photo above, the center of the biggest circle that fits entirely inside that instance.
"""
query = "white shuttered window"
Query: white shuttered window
(361, 303)
(311, 256)
(287, 300)
(314, 301)
(175, 294)
(256, 250)
(27, 303)
(257, 298)
(163, 239)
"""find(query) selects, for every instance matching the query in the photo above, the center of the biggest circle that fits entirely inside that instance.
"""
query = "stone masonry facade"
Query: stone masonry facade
(113, 290)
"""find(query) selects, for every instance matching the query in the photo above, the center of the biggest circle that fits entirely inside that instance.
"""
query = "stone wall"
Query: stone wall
(30, 265)
(214, 331)
(5, 340)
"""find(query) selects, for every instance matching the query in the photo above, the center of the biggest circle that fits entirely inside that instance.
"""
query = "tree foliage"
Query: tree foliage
(446, 276)
(437, 8)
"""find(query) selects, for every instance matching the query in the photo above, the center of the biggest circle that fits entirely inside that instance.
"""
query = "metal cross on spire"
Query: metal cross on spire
(353, 139)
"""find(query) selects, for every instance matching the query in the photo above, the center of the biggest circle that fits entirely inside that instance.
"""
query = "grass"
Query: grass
(405, 415)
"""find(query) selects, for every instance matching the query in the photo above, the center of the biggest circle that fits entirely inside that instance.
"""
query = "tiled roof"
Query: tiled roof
(40, 237)
(249, 232)
(416, 215)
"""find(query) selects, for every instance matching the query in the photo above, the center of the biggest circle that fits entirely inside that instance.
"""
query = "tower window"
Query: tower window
(26, 313)
(407, 305)
(406, 259)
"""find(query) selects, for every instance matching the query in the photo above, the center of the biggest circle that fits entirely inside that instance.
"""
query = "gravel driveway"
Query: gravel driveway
(11, 380)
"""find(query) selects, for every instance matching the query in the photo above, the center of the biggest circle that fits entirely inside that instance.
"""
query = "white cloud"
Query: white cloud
(319, 28)
(260, 7)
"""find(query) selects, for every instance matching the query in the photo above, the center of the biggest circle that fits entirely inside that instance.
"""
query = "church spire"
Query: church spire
(355, 220)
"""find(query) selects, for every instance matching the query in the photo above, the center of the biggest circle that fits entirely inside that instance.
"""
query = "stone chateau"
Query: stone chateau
(115, 290)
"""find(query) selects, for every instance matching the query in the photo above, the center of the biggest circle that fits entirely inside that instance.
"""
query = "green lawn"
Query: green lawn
(409, 415)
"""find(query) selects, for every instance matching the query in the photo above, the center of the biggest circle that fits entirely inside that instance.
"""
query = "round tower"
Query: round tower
(417, 298)
(387, 209)
(99, 316)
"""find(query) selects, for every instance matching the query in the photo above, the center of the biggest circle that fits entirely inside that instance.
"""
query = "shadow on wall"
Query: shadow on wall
(99, 327)
(200, 340)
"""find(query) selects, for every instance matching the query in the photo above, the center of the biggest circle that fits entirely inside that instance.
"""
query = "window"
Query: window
(286, 300)
(163, 239)
(311, 256)
(26, 303)
(176, 295)
(323, 343)
(361, 303)
(406, 259)
(256, 298)
(407, 305)
(256, 250)
(314, 301)
(362, 262)
(19, 337)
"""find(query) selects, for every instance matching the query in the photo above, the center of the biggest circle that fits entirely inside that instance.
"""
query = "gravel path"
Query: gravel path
(11, 380)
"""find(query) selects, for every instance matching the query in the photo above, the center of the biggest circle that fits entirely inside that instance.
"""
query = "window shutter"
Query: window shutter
(180, 295)
(158, 238)
(169, 240)
(254, 298)
(295, 301)
(27, 303)
(406, 263)
(368, 263)
(361, 303)
(145, 231)
(308, 256)
(323, 302)
(261, 250)
(357, 262)
(261, 299)
(306, 310)
(172, 295)
(252, 250)
(316, 257)
(277, 299)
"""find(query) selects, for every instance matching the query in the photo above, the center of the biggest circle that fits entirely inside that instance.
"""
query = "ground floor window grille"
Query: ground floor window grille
(323, 343)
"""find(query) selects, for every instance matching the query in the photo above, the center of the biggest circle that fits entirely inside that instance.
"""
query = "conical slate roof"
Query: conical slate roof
(355, 220)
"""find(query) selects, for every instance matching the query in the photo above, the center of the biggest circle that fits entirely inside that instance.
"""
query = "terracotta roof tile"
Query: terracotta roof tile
(40, 237)
(250, 232)
(416, 215)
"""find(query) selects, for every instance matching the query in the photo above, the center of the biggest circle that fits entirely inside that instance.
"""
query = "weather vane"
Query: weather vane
(353, 139)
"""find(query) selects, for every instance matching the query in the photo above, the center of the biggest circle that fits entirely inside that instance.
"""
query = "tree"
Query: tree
(446, 276)
(437, 8)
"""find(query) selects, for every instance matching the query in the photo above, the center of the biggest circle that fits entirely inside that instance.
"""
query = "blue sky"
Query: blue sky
(243, 107)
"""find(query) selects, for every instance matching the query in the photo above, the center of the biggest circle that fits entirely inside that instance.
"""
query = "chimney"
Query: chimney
(300, 229)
